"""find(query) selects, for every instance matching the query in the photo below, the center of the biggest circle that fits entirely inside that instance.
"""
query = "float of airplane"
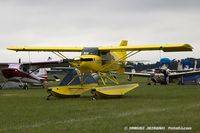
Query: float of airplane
(33, 73)
(164, 75)
(102, 61)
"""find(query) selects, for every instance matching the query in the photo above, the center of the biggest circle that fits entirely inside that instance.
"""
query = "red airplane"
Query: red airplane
(28, 73)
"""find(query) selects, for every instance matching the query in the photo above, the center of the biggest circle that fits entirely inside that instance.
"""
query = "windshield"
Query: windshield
(90, 51)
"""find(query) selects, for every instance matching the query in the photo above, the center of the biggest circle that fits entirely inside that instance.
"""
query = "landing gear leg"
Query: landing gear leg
(25, 86)
(48, 97)
(198, 81)
(94, 96)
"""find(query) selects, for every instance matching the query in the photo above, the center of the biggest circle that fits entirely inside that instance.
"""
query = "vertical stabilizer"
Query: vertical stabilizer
(42, 73)
(124, 43)
(121, 55)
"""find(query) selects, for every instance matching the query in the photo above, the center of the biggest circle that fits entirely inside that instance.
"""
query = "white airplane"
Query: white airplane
(164, 75)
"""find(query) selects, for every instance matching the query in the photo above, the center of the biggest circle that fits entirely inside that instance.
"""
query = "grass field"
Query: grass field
(28, 111)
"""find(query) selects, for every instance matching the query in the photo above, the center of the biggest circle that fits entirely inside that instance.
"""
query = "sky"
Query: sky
(98, 23)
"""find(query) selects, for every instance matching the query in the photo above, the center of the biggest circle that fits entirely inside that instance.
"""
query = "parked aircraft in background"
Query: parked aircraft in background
(164, 75)
(33, 73)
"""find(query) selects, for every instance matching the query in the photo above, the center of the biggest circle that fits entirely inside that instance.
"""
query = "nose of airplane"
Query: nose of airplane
(9, 73)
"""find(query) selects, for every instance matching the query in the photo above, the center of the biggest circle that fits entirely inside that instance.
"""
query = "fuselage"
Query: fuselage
(92, 60)
(160, 76)
(15, 72)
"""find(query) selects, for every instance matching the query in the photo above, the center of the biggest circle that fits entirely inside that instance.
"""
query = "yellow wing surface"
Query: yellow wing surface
(165, 48)
(47, 49)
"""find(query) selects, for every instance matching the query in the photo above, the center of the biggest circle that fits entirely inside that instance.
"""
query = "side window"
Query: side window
(106, 57)
(25, 68)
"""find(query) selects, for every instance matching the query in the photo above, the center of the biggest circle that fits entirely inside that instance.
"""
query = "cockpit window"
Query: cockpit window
(16, 66)
(90, 51)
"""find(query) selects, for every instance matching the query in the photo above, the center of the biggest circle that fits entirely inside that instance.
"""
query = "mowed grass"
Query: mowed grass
(29, 111)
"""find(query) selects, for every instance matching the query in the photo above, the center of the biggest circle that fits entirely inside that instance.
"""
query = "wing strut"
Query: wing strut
(60, 55)
(128, 55)
(120, 59)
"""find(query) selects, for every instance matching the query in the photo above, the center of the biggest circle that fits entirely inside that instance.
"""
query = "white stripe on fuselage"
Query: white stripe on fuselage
(26, 80)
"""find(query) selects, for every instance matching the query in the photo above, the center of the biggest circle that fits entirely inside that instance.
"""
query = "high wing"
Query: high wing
(38, 64)
(38, 48)
(183, 74)
(4, 65)
(46, 64)
(165, 48)
(171, 75)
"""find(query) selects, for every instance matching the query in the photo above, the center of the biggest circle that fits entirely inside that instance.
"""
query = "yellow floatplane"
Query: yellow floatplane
(101, 61)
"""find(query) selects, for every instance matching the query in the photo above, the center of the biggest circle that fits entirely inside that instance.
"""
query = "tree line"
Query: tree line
(173, 65)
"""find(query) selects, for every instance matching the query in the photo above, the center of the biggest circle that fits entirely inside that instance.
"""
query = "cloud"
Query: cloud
(106, 22)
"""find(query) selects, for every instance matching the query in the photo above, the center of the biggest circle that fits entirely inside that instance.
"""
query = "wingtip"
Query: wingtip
(189, 46)
(9, 48)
